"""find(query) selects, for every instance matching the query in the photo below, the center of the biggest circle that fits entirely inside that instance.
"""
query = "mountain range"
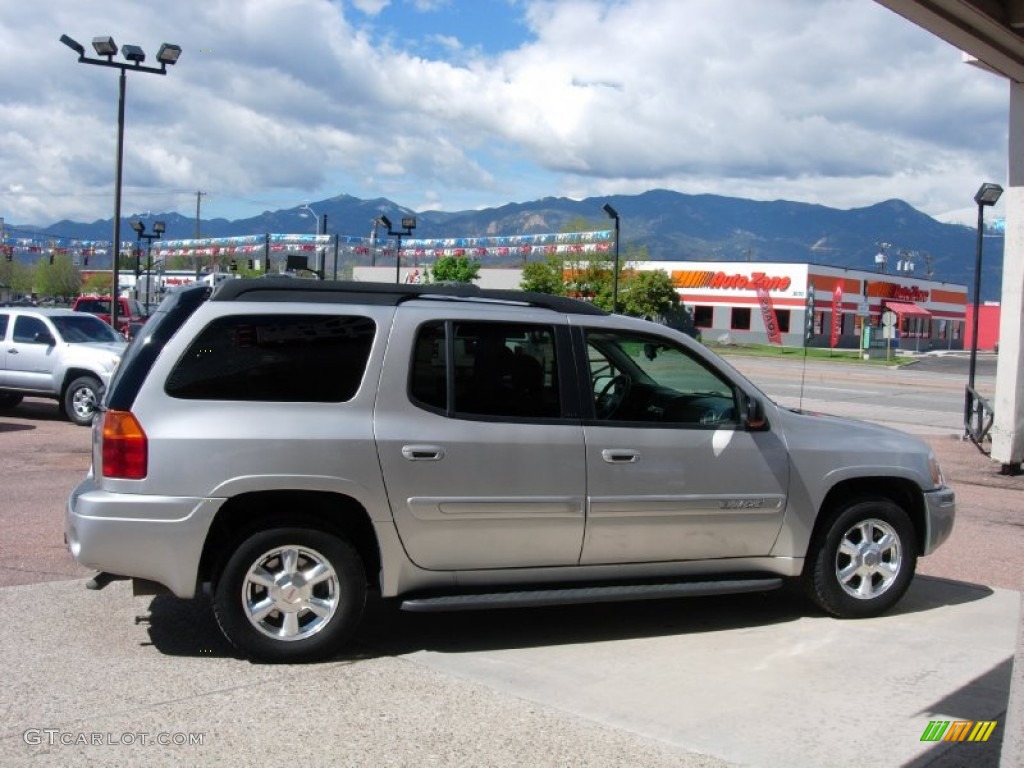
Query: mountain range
(668, 225)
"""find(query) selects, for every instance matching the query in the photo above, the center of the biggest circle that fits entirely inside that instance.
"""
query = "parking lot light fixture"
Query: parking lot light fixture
(408, 225)
(134, 56)
(159, 228)
(104, 46)
(168, 53)
(612, 213)
(988, 194)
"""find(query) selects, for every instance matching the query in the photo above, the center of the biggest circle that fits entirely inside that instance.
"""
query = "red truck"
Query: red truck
(130, 313)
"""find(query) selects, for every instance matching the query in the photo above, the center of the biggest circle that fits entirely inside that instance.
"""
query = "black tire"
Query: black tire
(295, 620)
(10, 399)
(862, 562)
(82, 399)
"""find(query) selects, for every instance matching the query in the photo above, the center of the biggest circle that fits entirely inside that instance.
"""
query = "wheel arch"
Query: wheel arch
(254, 511)
(901, 491)
(70, 374)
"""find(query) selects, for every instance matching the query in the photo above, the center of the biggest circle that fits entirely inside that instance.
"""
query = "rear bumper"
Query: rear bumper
(159, 538)
(940, 512)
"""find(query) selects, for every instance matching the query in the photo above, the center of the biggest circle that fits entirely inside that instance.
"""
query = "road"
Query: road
(925, 397)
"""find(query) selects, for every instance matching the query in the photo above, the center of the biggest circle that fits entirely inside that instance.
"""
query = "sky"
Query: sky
(466, 104)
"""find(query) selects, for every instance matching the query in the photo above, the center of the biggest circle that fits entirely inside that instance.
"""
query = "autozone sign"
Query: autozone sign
(700, 278)
(896, 291)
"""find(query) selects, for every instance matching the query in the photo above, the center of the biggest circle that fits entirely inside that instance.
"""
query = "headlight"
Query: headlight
(937, 478)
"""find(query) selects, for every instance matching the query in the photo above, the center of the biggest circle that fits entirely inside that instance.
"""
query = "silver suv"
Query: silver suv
(57, 353)
(293, 444)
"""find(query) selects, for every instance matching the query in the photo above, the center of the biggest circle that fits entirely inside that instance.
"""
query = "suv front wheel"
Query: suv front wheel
(864, 560)
(290, 595)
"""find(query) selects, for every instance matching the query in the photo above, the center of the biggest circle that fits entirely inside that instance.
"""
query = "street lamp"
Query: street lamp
(105, 46)
(140, 231)
(408, 225)
(612, 213)
(321, 254)
(988, 194)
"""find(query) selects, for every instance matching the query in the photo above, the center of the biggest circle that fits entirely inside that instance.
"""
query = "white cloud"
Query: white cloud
(835, 102)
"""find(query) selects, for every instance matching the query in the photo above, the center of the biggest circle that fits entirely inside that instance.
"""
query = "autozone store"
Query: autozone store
(744, 299)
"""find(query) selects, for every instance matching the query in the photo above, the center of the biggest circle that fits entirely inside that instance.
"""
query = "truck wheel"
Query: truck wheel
(81, 399)
(290, 595)
(9, 399)
(862, 563)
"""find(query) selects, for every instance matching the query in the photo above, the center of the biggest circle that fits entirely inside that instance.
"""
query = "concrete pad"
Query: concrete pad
(85, 685)
(756, 690)
(750, 679)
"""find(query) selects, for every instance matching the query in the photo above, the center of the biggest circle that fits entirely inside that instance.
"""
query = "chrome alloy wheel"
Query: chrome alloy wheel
(290, 593)
(868, 559)
(83, 401)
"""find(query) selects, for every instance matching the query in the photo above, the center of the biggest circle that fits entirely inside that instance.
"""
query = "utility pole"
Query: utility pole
(199, 198)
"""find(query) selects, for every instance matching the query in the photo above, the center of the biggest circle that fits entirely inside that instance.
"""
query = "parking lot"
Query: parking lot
(762, 679)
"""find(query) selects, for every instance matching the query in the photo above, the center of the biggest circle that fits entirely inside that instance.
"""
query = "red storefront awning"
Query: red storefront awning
(905, 308)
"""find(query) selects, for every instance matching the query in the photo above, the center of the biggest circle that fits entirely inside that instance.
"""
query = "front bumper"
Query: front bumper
(940, 512)
(159, 538)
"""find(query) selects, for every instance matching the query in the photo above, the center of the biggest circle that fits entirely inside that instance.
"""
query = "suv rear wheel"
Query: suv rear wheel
(290, 595)
(81, 399)
(864, 561)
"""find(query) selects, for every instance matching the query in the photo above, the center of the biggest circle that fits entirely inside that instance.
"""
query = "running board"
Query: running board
(545, 597)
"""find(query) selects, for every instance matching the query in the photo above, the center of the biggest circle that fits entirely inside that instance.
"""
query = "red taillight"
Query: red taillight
(125, 453)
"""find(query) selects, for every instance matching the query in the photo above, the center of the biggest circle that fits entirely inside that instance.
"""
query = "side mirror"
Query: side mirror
(752, 413)
(45, 337)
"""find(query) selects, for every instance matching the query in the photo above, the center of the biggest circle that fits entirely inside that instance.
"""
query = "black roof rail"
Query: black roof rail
(389, 294)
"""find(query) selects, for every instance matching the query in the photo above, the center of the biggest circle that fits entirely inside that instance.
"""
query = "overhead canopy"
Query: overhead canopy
(989, 30)
(905, 308)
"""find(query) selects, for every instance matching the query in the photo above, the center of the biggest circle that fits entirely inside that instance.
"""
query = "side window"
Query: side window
(276, 358)
(27, 330)
(703, 316)
(740, 320)
(3, 326)
(782, 316)
(639, 378)
(486, 369)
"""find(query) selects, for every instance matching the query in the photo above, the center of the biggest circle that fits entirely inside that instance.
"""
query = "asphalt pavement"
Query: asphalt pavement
(104, 678)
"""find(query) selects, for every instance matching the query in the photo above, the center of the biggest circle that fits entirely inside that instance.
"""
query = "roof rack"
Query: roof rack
(350, 292)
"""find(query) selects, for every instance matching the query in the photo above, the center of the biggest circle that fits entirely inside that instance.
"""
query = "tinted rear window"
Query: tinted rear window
(276, 358)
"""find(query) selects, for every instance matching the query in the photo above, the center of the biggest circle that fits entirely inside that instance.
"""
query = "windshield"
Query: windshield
(84, 329)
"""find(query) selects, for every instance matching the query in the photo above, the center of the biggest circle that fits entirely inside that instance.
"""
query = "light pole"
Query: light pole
(199, 199)
(612, 213)
(408, 225)
(140, 231)
(316, 231)
(988, 194)
(105, 46)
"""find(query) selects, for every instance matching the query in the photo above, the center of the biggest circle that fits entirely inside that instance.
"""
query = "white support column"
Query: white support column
(1008, 427)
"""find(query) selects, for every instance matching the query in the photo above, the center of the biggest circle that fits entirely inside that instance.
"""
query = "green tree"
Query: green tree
(544, 277)
(15, 277)
(59, 279)
(648, 294)
(455, 269)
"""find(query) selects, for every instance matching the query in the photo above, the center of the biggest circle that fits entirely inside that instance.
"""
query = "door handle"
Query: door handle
(423, 452)
(620, 455)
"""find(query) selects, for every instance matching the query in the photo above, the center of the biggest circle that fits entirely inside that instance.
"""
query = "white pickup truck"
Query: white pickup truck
(68, 356)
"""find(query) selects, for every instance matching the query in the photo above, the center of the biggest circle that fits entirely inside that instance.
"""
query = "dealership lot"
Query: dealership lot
(751, 679)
